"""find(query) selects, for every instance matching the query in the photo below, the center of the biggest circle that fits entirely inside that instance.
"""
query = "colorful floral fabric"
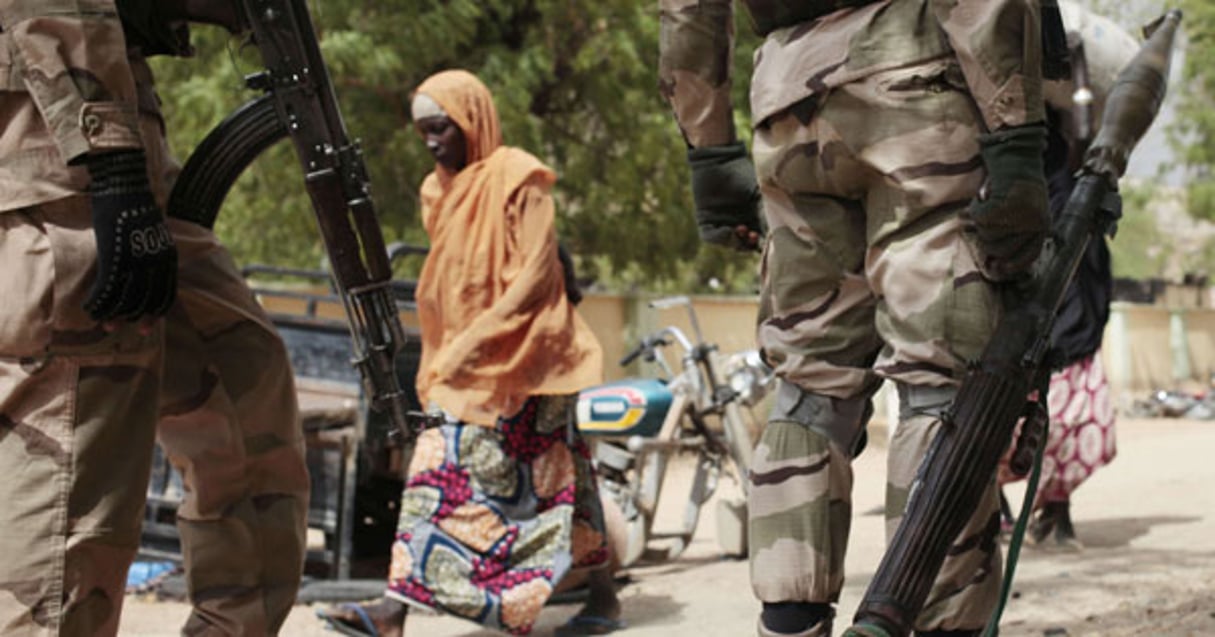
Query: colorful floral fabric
(1081, 430)
(493, 518)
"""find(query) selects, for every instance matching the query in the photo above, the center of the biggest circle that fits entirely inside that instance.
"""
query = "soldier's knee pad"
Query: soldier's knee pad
(841, 421)
(922, 400)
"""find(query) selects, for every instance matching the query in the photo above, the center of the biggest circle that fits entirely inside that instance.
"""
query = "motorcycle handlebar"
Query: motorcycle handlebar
(632, 356)
(681, 301)
(648, 345)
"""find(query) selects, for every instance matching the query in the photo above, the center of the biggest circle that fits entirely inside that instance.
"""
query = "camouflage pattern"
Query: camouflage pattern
(697, 44)
(995, 43)
(800, 513)
(866, 149)
(62, 96)
(230, 426)
(229, 423)
(77, 420)
(866, 275)
(800, 517)
(225, 395)
(968, 586)
(865, 269)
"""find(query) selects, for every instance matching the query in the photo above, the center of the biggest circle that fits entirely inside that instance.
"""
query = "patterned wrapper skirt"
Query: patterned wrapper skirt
(1081, 430)
(493, 517)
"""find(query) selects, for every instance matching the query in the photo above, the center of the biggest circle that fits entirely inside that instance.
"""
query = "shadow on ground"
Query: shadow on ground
(640, 610)
(1119, 532)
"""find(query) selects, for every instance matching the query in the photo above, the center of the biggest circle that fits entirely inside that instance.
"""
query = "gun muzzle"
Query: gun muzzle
(1134, 101)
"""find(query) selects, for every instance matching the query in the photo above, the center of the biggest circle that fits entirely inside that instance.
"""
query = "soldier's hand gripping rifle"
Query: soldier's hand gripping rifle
(993, 396)
(299, 102)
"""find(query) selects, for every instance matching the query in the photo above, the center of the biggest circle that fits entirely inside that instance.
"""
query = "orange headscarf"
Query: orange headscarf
(496, 325)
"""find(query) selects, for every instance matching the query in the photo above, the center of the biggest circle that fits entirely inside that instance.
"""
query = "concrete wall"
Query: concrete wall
(1153, 347)
(1147, 347)
(621, 322)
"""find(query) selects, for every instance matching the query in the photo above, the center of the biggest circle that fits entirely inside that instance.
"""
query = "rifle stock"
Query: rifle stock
(993, 394)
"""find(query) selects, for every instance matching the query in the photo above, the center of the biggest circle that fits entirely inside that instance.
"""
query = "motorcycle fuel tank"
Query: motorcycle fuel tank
(631, 407)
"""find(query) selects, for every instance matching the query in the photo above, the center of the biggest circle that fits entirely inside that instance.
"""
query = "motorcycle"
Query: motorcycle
(637, 426)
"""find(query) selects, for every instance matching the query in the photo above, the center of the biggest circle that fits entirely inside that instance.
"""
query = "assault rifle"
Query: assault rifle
(993, 396)
(298, 102)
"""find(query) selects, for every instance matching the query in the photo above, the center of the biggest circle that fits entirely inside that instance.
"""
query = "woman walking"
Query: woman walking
(500, 501)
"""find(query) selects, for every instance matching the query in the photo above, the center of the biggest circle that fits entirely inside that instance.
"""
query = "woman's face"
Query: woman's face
(445, 141)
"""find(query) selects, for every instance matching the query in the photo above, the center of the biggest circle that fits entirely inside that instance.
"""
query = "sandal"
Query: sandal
(341, 624)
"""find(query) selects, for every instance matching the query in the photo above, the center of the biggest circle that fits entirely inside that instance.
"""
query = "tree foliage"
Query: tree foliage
(1143, 249)
(1138, 251)
(575, 82)
(1195, 132)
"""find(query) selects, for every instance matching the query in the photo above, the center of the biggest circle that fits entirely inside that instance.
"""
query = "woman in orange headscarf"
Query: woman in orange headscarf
(500, 502)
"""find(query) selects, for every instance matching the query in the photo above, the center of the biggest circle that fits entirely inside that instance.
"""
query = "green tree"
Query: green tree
(1139, 249)
(575, 82)
(1194, 134)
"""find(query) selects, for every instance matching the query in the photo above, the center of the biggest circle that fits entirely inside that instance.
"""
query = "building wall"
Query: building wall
(1168, 345)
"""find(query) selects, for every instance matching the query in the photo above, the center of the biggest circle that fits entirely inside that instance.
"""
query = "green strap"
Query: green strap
(1018, 534)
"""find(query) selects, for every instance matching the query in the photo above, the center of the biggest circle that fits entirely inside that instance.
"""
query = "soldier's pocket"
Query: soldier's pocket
(69, 227)
(936, 76)
(936, 89)
(27, 286)
(974, 307)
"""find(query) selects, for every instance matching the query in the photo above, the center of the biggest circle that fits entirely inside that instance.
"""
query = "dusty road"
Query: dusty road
(1148, 522)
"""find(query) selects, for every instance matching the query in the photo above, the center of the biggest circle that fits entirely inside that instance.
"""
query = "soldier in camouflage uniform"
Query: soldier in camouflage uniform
(898, 155)
(87, 368)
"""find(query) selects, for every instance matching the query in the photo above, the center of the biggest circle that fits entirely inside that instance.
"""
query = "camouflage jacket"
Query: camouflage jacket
(996, 42)
(66, 94)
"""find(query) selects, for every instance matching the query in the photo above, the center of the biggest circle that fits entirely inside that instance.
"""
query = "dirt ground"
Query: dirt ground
(1148, 567)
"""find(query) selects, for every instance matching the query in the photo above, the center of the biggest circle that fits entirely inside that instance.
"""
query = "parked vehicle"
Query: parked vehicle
(1163, 403)
(638, 425)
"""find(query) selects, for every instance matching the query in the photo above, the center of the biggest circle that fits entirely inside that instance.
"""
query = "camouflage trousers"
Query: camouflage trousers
(79, 411)
(866, 276)
(230, 424)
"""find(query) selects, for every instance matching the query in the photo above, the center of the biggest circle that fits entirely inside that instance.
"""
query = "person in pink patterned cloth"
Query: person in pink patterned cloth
(1081, 438)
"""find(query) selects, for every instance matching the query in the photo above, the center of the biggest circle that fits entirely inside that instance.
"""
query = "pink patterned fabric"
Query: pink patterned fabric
(1081, 431)
(493, 518)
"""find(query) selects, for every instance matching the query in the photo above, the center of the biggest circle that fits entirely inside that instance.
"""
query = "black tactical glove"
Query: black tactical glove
(726, 194)
(136, 258)
(1009, 219)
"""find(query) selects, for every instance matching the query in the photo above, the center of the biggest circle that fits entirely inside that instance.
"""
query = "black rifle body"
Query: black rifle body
(299, 103)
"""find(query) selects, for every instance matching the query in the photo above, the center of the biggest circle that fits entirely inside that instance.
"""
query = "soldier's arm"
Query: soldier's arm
(695, 48)
(72, 58)
(999, 46)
